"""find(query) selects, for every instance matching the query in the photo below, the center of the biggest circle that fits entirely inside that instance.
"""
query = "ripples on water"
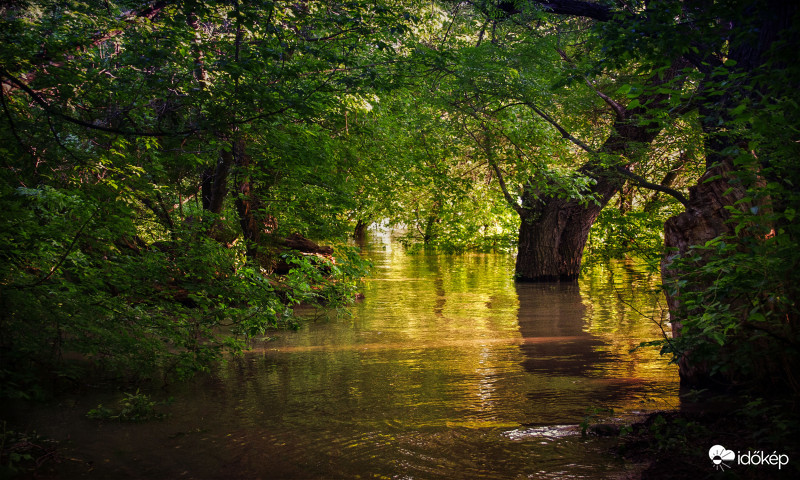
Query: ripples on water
(447, 369)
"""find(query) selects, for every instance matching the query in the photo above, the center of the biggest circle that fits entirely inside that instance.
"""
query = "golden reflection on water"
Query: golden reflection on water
(463, 316)
(446, 369)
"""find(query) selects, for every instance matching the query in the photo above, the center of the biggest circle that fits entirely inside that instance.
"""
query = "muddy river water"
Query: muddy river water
(446, 369)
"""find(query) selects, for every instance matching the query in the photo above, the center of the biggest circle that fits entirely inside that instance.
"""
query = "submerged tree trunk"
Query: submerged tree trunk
(705, 218)
(360, 231)
(553, 234)
(554, 231)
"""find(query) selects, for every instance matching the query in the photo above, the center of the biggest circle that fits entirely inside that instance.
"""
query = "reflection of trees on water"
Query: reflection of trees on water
(578, 337)
(553, 323)
(436, 274)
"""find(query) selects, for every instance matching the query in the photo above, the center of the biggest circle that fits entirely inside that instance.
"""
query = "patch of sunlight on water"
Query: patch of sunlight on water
(446, 369)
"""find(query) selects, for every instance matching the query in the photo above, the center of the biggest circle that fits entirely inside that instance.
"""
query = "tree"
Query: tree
(132, 132)
(741, 328)
(537, 69)
(730, 63)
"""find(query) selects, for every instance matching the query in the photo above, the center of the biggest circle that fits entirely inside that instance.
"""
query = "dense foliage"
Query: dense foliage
(155, 157)
(739, 291)
(165, 163)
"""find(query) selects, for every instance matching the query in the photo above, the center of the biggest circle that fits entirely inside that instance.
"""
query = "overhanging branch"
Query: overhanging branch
(500, 180)
(640, 181)
(511, 201)
(619, 110)
(597, 11)
(564, 133)
(52, 111)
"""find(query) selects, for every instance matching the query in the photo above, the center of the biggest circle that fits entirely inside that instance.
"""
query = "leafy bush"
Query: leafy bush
(134, 407)
(79, 295)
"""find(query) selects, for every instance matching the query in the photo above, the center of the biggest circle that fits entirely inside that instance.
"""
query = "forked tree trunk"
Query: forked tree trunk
(552, 237)
(554, 231)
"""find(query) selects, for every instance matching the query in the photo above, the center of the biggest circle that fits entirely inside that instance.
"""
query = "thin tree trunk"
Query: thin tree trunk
(248, 203)
(360, 231)
(215, 183)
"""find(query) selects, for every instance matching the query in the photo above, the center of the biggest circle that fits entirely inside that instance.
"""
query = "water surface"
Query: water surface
(447, 369)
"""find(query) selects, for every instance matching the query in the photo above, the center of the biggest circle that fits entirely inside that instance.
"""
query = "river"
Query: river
(446, 369)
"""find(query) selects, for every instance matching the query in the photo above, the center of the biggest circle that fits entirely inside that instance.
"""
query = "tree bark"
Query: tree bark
(552, 237)
(248, 203)
(704, 219)
(215, 183)
(706, 216)
(554, 231)
(360, 231)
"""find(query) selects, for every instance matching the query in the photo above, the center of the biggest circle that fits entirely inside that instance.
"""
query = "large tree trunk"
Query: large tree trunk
(554, 231)
(706, 216)
(553, 234)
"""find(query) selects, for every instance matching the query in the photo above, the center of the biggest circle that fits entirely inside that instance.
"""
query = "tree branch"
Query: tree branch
(516, 206)
(596, 11)
(564, 133)
(618, 109)
(490, 160)
(149, 12)
(13, 127)
(642, 182)
(49, 109)
(65, 255)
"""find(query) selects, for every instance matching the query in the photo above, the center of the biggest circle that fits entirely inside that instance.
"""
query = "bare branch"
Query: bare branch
(511, 201)
(640, 181)
(618, 109)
